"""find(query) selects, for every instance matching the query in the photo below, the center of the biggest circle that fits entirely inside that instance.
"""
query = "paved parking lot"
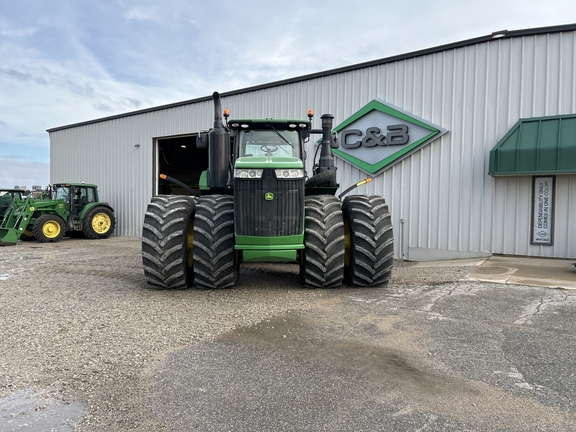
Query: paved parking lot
(88, 346)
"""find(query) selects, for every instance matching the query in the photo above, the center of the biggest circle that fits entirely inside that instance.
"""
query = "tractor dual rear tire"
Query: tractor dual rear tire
(322, 260)
(370, 243)
(167, 242)
(215, 260)
(48, 228)
(98, 223)
(325, 178)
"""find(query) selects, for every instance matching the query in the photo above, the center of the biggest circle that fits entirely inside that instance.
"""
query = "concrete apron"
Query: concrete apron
(546, 272)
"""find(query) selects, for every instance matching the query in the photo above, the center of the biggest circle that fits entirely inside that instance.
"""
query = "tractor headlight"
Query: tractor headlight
(248, 173)
(289, 173)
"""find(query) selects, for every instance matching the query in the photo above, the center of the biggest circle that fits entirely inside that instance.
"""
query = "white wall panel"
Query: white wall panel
(449, 204)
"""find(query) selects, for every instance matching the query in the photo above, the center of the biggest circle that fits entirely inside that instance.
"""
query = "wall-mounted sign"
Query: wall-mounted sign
(543, 211)
(378, 136)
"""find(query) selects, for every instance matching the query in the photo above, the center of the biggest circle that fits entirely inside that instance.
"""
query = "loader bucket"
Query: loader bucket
(8, 236)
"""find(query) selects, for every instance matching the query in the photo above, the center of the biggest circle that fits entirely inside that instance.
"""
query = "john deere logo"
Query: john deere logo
(378, 136)
(269, 196)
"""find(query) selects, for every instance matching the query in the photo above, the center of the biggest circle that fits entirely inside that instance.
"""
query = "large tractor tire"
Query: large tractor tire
(369, 240)
(325, 178)
(167, 242)
(322, 260)
(98, 223)
(27, 236)
(215, 260)
(48, 228)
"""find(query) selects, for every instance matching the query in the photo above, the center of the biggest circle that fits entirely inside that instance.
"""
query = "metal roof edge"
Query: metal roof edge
(453, 45)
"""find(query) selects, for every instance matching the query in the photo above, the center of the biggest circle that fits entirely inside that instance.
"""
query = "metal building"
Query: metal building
(473, 144)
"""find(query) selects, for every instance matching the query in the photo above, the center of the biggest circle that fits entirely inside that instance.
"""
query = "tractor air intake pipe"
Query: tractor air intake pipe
(218, 150)
(326, 162)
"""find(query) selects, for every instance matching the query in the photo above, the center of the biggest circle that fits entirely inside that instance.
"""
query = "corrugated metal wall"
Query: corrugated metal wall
(444, 204)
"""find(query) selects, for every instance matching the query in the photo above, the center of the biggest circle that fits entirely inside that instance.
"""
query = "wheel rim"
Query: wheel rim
(51, 229)
(101, 223)
(190, 243)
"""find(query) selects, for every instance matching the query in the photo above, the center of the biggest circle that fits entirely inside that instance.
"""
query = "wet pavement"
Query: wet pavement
(34, 411)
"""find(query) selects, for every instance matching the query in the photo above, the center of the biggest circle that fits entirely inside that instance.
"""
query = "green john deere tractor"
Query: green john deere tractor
(7, 197)
(257, 205)
(65, 208)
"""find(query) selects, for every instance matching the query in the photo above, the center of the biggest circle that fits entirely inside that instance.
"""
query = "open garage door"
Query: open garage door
(178, 157)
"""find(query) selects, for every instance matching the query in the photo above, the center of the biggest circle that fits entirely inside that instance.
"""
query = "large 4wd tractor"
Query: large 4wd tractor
(257, 204)
(71, 208)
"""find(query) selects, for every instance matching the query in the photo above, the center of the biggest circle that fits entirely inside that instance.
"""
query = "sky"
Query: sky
(68, 61)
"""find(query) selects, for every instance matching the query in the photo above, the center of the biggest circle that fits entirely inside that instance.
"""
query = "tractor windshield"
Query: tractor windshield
(269, 142)
(62, 192)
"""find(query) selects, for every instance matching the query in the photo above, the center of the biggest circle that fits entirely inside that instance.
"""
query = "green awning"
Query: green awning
(536, 146)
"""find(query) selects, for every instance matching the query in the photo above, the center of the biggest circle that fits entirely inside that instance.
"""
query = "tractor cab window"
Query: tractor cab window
(6, 199)
(269, 142)
(83, 196)
(62, 192)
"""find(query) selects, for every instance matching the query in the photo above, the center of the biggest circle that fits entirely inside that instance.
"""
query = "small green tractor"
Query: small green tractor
(73, 209)
(7, 197)
(258, 205)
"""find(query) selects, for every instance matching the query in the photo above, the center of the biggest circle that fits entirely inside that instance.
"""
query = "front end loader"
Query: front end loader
(73, 209)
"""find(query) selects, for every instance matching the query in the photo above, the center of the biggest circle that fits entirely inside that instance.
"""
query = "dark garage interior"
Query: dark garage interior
(179, 158)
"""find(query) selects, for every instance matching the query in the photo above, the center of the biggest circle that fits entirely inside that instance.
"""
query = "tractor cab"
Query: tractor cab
(76, 196)
(7, 197)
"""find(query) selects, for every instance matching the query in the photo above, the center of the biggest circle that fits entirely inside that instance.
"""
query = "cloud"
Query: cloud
(17, 172)
(22, 76)
(139, 14)
(18, 32)
(102, 107)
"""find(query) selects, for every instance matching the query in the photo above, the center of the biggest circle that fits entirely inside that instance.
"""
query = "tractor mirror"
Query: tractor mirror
(202, 140)
(334, 141)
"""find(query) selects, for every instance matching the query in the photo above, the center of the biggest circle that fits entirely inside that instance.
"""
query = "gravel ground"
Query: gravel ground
(81, 326)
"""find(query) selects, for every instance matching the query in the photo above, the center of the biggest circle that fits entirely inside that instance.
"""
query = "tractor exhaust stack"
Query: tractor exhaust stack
(218, 150)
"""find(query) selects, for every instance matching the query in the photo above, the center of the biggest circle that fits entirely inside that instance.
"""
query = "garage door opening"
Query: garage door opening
(178, 157)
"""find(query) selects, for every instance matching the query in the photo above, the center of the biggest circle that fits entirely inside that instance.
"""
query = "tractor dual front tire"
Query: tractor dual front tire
(215, 260)
(369, 240)
(322, 260)
(48, 228)
(167, 242)
(99, 223)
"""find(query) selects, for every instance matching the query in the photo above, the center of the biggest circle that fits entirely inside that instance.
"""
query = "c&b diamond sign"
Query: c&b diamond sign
(378, 136)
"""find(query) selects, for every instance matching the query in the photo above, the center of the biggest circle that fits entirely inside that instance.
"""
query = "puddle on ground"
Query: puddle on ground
(30, 411)
(300, 338)
(493, 270)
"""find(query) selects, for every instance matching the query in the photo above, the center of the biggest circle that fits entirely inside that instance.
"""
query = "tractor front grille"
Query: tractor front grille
(255, 215)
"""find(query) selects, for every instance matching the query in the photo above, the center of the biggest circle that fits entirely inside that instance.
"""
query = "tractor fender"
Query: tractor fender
(90, 206)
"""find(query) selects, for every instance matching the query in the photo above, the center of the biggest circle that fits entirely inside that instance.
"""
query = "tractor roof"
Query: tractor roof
(286, 124)
(76, 184)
